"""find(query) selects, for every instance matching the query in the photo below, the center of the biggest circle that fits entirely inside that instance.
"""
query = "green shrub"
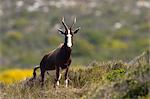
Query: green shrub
(115, 74)
(136, 89)
(143, 42)
(145, 26)
(83, 48)
(123, 33)
(54, 40)
(28, 58)
(80, 77)
(21, 22)
(115, 45)
(94, 36)
(14, 35)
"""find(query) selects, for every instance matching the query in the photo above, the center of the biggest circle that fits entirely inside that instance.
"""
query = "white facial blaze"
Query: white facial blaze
(69, 43)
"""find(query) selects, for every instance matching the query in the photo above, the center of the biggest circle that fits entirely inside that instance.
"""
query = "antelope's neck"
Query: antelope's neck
(66, 50)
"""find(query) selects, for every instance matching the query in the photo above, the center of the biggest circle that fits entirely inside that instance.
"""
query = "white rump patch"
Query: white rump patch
(69, 43)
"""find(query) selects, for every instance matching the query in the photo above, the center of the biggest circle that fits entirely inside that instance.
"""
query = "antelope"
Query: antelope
(59, 58)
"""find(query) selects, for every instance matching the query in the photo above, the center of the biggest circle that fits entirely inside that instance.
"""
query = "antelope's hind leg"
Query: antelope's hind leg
(42, 77)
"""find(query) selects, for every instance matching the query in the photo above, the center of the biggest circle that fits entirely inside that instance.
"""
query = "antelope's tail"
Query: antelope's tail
(34, 71)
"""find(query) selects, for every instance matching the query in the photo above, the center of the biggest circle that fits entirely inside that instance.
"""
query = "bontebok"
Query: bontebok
(59, 58)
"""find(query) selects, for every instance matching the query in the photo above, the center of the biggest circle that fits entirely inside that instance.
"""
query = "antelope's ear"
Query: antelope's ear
(61, 31)
(76, 30)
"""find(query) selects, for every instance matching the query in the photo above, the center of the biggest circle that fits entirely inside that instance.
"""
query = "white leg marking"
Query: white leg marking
(57, 83)
(58, 79)
(59, 76)
(69, 43)
(66, 82)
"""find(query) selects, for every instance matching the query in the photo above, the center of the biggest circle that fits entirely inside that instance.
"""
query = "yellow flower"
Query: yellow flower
(14, 75)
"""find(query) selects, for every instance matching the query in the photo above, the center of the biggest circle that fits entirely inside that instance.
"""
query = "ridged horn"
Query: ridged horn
(63, 22)
(73, 22)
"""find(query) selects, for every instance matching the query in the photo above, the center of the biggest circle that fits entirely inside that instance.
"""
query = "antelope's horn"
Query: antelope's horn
(65, 25)
(74, 22)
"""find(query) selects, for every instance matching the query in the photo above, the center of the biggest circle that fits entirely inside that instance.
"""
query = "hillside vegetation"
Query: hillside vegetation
(100, 80)
(110, 29)
(112, 33)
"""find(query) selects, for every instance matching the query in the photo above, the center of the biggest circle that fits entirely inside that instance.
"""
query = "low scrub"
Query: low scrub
(101, 80)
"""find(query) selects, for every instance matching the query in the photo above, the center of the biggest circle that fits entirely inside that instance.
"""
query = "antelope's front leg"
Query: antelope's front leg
(66, 77)
(66, 73)
(58, 77)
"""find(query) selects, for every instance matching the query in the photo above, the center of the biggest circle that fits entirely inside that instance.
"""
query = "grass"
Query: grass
(100, 80)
